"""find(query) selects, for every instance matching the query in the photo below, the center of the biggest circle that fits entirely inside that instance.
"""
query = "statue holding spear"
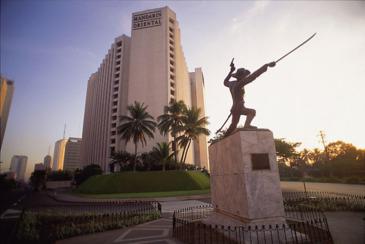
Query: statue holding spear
(236, 87)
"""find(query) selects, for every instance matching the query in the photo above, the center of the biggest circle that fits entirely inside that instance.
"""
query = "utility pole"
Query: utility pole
(322, 135)
(327, 159)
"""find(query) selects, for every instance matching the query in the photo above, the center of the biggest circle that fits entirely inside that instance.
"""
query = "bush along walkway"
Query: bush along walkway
(50, 223)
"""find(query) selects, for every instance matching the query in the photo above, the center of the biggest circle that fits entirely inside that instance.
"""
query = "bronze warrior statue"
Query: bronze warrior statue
(236, 87)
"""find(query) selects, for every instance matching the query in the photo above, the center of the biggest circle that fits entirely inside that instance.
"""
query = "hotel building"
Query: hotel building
(148, 67)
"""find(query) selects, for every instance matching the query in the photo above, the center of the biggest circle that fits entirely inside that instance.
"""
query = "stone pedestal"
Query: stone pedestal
(244, 177)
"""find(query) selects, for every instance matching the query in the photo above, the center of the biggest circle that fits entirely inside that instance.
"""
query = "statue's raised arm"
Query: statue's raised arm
(256, 74)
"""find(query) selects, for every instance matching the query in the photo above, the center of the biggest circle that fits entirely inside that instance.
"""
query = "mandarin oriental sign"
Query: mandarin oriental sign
(146, 20)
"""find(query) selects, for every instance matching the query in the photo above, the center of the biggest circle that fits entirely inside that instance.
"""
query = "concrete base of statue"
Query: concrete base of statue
(244, 178)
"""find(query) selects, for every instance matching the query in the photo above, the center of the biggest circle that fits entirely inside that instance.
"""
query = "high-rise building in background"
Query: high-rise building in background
(148, 67)
(72, 160)
(18, 165)
(197, 100)
(6, 95)
(47, 161)
(67, 154)
(39, 167)
(59, 154)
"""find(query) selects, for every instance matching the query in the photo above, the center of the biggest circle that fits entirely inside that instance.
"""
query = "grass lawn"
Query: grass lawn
(144, 194)
(153, 182)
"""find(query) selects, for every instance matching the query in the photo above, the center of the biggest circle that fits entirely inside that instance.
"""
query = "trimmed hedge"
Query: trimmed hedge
(149, 181)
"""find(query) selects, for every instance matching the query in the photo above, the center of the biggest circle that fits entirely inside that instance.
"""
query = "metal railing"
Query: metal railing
(302, 226)
(326, 201)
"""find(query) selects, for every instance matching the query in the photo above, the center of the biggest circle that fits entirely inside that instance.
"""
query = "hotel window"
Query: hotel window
(115, 103)
(171, 42)
(112, 141)
(114, 117)
(172, 55)
(114, 110)
(171, 29)
(172, 49)
(117, 68)
(118, 63)
(115, 96)
(113, 133)
(172, 77)
(172, 84)
(112, 150)
(119, 56)
(114, 125)
(119, 44)
(116, 82)
(172, 92)
(171, 21)
(171, 36)
(115, 89)
(116, 75)
(172, 62)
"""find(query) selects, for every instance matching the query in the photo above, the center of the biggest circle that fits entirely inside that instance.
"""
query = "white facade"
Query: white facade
(72, 160)
(18, 165)
(148, 67)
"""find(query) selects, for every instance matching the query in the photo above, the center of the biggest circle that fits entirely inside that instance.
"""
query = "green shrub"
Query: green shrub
(48, 226)
(148, 181)
(352, 180)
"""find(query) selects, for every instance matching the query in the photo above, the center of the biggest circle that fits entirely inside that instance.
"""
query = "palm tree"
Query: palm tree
(136, 127)
(161, 153)
(192, 128)
(122, 158)
(170, 121)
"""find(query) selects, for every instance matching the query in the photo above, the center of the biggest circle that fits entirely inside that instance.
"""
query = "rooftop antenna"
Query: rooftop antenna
(64, 131)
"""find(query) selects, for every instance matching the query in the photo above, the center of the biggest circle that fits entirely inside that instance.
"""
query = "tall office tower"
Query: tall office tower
(106, 100)
(47, 161)
(6, 95)
(149, 68)
(72, 160)
(18, 165)
(59, 154)
(197, 100)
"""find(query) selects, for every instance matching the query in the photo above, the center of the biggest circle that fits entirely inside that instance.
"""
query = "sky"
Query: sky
(50, 48)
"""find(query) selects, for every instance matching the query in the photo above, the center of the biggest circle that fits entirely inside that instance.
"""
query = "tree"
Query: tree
(344, 159)
(286, 151)
(38, 180)
(86, 173)
(161, 153)
(170, 121)
(121, 158)
(136, 127)
(191, 129)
